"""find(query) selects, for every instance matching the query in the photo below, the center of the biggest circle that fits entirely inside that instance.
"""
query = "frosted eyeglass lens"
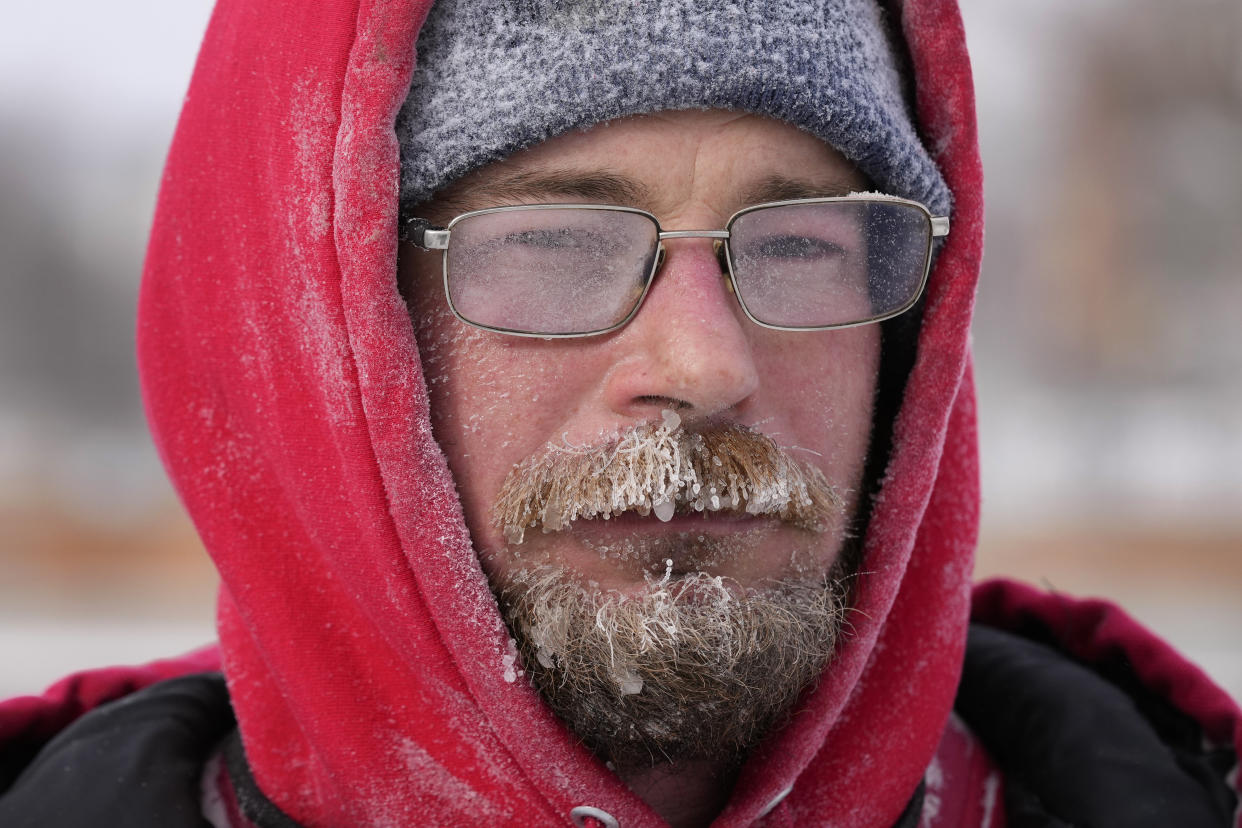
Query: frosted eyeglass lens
(554, 271)
(835, 263)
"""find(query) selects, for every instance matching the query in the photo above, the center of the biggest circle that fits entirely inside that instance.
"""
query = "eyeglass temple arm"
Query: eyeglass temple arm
(421, 233)
(939, 226)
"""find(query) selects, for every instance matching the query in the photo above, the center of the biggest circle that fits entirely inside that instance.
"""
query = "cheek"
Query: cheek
(824, 388)
(495, 400)
(845, 382)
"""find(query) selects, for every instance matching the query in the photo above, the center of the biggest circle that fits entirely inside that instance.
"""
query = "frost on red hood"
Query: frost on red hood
(364, 653)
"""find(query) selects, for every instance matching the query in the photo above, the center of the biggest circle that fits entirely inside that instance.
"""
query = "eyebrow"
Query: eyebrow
(604, 187)
(780, 188)
(598, 186)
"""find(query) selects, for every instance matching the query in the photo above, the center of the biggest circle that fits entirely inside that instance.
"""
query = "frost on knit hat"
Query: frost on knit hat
(496, 76)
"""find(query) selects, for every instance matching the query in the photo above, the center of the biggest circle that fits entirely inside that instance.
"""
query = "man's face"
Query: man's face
(685, 638)
(498, 400)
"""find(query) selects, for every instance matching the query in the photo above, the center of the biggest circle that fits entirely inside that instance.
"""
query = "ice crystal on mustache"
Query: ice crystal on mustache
(663, 468)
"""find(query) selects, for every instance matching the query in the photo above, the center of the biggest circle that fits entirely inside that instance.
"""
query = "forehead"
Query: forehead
(667, 163)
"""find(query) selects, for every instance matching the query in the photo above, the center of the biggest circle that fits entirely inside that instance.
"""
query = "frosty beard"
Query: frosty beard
(690, 667)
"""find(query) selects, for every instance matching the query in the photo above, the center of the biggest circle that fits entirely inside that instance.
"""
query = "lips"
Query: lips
(683, 519)
(648, 547)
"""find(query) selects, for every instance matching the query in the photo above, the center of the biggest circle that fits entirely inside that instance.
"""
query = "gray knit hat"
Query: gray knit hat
(496, 76)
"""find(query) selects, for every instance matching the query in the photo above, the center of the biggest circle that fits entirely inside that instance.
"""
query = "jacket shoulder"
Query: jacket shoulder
(134, 761)
(98, 739)
(28, 722)
(1093, 719)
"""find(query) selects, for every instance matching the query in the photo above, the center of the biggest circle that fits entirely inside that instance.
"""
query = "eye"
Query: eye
(558, 238)
(794, 247)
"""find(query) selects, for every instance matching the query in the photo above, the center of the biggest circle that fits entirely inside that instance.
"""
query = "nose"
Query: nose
(688, 348)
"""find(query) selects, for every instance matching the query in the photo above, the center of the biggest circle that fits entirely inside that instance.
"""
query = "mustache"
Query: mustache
(664, 468)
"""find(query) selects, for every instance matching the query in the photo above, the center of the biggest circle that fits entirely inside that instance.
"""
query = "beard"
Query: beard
(689, 667)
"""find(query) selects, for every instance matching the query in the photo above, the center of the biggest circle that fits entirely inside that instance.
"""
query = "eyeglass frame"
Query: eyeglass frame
(424, 235)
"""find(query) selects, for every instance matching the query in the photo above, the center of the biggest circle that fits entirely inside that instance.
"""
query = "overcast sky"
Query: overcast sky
(107, 61)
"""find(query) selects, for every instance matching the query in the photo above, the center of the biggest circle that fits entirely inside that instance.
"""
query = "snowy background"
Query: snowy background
(1108, 343)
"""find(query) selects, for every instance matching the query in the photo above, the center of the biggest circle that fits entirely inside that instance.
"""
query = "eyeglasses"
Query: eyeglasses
(572, 270)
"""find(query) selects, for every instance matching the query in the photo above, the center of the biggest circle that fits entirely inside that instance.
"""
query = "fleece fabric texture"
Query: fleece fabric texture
(496, 76)
(365, 657)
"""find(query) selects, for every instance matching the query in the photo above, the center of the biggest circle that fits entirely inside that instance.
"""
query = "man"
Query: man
(651, 617)
(635, 487)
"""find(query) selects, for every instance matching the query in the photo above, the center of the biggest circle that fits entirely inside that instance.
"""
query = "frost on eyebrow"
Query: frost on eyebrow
(661, 468)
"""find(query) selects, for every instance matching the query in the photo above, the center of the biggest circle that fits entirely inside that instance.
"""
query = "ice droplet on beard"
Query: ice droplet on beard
(628, 683)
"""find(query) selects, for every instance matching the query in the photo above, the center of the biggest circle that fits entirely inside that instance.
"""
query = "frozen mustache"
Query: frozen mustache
(663, 468)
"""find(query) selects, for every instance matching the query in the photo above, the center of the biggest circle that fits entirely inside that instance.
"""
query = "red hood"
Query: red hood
(364, 652)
